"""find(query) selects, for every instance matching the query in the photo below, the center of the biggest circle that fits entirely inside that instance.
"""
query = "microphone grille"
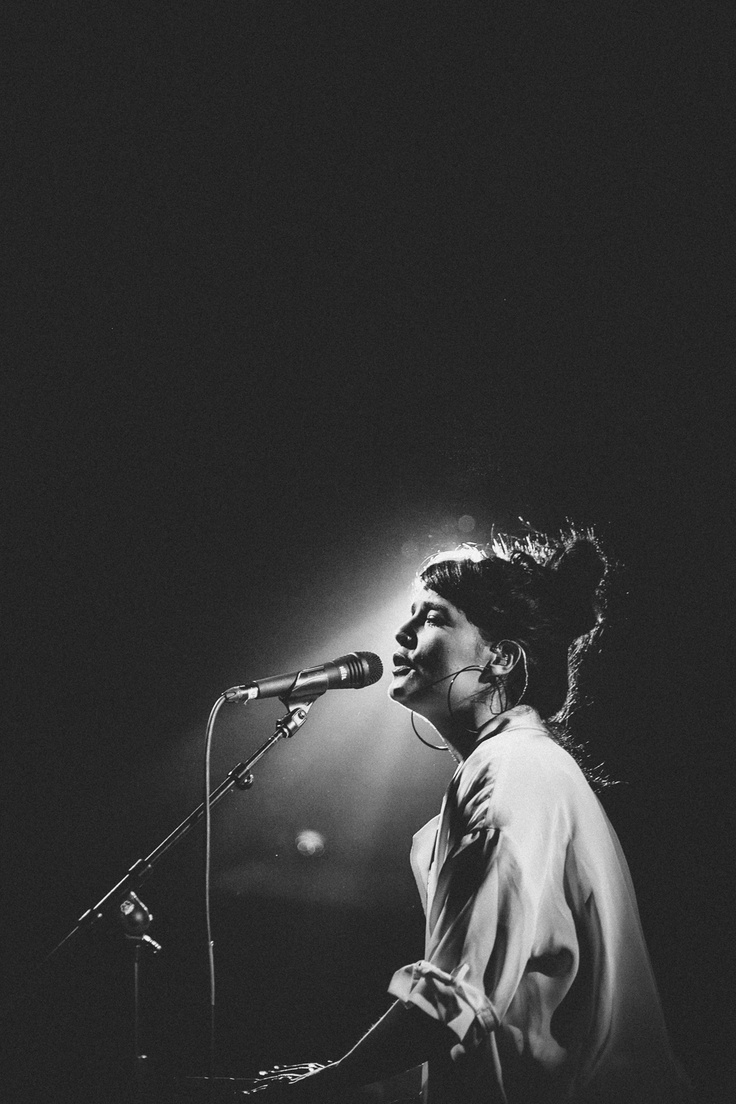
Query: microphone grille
(365, 668)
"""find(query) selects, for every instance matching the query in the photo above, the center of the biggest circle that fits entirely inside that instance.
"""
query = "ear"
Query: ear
(502, 658)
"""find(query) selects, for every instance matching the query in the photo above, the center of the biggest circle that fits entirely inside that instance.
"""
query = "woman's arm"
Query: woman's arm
(403, 1038)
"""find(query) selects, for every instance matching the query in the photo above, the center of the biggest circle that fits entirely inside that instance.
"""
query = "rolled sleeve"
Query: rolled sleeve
(448, 998)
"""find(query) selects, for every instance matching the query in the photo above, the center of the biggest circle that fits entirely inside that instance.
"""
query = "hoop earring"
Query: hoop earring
(526, 676)
(437, 747)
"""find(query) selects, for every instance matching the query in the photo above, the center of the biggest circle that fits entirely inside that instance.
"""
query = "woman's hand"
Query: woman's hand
(403, 1038)
(318, 1085)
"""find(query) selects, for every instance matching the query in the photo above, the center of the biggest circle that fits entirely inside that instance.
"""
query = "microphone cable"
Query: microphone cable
(207, 876)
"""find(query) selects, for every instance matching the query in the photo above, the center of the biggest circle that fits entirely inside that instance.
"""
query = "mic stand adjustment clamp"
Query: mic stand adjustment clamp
(295, 718)
(241, 775)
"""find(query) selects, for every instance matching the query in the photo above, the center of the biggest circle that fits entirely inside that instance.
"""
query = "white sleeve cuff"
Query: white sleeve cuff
(445, 997)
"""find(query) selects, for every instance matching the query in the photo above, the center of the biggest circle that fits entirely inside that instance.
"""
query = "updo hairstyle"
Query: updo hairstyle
(545, 595)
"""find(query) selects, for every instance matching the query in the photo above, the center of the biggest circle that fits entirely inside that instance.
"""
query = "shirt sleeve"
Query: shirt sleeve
(495, 906)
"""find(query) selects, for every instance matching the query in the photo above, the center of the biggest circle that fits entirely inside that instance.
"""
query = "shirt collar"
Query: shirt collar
(521, 716)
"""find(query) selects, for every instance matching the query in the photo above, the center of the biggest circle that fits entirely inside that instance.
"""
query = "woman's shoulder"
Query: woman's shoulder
(522, 755)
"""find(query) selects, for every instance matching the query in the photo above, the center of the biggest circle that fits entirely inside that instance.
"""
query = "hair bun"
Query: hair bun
(578, 571)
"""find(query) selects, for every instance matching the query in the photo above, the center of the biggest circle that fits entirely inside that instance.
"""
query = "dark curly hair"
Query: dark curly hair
(547, 595)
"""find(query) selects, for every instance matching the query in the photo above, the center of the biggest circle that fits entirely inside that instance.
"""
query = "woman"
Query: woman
(535, 986)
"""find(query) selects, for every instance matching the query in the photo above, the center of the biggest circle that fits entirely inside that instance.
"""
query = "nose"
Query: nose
(405, 635)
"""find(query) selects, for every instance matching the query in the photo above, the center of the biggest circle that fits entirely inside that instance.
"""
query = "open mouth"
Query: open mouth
(402, 665)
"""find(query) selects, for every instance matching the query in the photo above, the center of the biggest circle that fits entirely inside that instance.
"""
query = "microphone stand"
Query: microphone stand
(133, 914)
(239, 776)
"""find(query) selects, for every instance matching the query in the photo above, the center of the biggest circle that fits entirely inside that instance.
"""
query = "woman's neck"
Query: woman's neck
(463, 728)
(462, 741)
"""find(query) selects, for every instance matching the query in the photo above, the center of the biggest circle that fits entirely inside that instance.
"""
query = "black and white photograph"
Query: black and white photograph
(368, 553)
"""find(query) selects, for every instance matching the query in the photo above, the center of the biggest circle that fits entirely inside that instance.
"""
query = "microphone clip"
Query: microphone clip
(295, 718)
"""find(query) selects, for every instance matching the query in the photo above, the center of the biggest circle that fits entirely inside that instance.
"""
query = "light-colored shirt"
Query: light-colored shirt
(534, 954)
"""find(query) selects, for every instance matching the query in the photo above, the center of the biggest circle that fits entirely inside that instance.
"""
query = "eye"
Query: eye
(434, 618)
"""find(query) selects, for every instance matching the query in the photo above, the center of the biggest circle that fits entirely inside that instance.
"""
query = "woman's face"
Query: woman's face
(435, 643)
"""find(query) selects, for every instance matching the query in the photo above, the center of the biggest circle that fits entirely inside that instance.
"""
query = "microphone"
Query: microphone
(348, 672)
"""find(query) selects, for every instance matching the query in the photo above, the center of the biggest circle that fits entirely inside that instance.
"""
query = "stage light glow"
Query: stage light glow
(310, 843)
(355, 769)
(356, 772)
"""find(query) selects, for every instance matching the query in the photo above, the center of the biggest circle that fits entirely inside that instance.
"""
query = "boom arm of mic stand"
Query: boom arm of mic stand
(239, 776)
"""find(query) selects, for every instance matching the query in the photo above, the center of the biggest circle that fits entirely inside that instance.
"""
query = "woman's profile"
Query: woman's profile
(535, 985)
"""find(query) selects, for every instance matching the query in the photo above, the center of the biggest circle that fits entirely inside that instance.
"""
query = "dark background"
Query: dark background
(293, 288)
